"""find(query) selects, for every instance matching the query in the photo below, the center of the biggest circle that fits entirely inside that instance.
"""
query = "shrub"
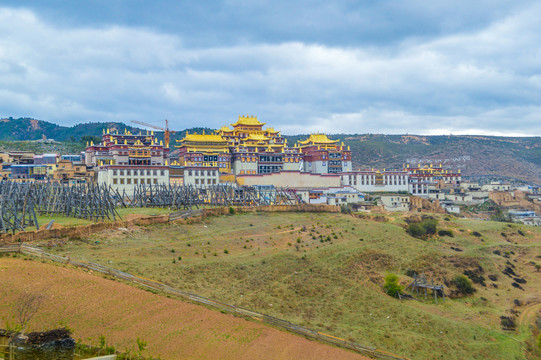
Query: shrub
(391, 286)
(446, 233)
(226, 251)
(430, 226)
(476, 233)
(463, 284)
(416, 230)
(231, 210)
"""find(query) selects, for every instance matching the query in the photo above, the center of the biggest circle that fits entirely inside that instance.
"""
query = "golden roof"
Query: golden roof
(225, 129)
(271, 130)
(248, 120)
(318, 139)
(204, 138)
(257, 137)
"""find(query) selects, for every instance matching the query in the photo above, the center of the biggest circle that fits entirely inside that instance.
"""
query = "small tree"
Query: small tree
(463, 284)
(391, 286)
(26, 307)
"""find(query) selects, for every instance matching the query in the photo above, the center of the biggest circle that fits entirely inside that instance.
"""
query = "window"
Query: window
(196, 181)
(135, 181)
(128, 181)
(121, 172)
(122, 181)
(128, 172)
(155, 181)
(155, 172)
(148, 181)
(114, 173)
(162, 173)
(114, 181)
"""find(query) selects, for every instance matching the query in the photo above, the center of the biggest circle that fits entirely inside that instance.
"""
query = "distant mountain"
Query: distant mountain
(513, 157)
(508, 157)
(23, 129)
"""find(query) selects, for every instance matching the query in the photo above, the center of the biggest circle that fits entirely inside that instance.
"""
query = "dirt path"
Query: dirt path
(94, 306)
(529, 314)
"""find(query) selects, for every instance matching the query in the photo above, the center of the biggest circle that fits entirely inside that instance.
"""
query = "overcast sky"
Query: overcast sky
(422, 67)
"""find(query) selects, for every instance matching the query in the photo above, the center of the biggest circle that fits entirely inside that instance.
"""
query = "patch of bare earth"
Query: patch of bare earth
(93, 306)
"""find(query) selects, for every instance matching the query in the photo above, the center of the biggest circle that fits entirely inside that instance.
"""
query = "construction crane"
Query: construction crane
(165, 130)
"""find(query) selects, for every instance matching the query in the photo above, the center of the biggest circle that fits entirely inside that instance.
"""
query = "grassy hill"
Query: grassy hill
(325, 271)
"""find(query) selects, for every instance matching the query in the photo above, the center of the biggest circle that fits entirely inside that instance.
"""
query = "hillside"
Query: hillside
(326, 272)
(513, 157)
(24, 129)
(93, 306)
(510, 157)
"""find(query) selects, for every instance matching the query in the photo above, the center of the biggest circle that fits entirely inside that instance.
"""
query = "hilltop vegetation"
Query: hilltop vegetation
(14, 132)
(326, 272)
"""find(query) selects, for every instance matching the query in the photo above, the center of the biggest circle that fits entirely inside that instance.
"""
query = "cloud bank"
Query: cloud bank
(478, 77)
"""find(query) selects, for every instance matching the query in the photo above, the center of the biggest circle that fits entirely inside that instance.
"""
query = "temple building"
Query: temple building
(123, 160)
(322, 155)
(424, 179)
(206, 151)
(245, 149)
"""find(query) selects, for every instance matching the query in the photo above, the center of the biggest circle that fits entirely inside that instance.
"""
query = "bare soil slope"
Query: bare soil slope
(94, 306)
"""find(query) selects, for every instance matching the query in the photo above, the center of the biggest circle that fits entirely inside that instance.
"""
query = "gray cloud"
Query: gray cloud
(481, 79)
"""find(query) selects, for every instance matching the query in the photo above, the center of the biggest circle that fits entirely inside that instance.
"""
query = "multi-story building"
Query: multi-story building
(376, 181)
(255, 150)
(72, 172)
(322, 155)
(126, 160)
(247, 148)
(127, 149)
(423, 179)
(28, 172)
(204, 150)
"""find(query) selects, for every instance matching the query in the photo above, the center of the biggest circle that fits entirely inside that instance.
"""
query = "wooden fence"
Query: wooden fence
(158, 286)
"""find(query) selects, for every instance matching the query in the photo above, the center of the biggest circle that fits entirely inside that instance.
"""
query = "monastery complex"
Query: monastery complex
(249, 154)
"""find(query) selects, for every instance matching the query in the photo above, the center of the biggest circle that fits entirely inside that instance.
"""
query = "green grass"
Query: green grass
(124, 212)
(331, 278)
(71, 221)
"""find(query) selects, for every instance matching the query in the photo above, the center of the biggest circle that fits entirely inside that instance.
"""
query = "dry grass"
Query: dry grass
(94, 306)
(325, 271)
